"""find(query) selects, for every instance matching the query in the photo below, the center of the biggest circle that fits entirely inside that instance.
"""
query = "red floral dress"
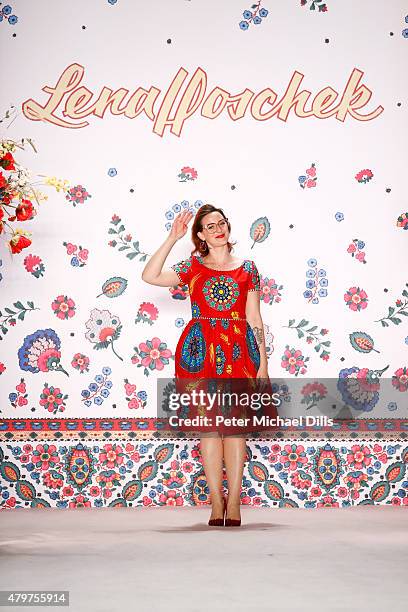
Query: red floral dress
(218, 342)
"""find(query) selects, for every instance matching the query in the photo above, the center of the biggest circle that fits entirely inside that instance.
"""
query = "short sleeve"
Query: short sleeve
(183, 269)
(254, 283)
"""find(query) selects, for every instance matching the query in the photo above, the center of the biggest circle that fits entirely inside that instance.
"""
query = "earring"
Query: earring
(203, 245)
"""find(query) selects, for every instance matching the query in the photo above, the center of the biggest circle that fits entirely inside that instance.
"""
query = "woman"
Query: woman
(224, 339)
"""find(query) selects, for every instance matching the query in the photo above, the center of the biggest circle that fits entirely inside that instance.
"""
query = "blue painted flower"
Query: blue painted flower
(312, 262)
(339, 216)
(112, 172)
(244, 25)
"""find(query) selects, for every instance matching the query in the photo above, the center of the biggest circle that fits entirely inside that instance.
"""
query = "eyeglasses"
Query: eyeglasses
(212, 227)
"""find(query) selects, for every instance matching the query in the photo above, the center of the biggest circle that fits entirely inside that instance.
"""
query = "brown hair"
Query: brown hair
(197, 227)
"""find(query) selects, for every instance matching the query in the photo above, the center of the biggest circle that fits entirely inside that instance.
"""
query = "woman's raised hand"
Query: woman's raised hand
(180, 223)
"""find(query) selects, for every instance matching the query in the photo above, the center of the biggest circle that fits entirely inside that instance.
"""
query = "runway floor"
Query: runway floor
(154, 559)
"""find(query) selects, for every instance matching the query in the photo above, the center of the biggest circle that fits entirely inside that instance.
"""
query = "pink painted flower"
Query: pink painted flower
(80, 362)
(34, 265)
(154, 354)
(71, 248)
(79, 502)
(147, 313)
(400, 379)
(149, 309)
(342, 492)
(112, 455)
(129, 389)
(171, 498)
(52, 399)
(21, 387)
(190, 171)
(94, 491)
(293, 361)
(328, 502)
(174, 478)
(269, 290)
(301, 481)
(53, 479)
(45, 456)
(63, 307)
(83, 254)
(311, 171)
(293, 456)
(359, 456)
(135, 402)
(364, 176)
(356, 298)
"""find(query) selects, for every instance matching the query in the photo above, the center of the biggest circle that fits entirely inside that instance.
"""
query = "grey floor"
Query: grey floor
(169, 559)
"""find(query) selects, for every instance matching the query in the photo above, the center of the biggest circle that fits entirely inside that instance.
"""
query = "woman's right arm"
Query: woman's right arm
(153, 272)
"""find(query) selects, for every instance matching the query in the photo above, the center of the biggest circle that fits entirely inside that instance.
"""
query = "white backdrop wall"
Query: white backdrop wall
(248, 167)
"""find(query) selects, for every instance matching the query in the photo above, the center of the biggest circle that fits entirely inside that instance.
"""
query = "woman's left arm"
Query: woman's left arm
(254, 318)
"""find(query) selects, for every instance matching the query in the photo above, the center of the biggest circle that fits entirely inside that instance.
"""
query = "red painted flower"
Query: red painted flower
(24, 211)
(7, 162)
(19, 241)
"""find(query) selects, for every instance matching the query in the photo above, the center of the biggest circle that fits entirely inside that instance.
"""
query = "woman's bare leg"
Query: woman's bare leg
(234, 457)
(211, 452)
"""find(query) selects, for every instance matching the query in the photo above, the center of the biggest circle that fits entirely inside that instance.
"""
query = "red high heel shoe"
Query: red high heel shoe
(231, 522)
(219, 522)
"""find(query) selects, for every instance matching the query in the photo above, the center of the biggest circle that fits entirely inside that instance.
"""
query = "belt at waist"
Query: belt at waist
(227, 318)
